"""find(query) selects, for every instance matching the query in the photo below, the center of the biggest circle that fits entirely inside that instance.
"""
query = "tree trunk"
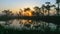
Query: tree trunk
(58, 10)
(43, 12)
(48, 13)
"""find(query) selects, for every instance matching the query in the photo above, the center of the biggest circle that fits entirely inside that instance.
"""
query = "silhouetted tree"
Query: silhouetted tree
(27, 9)
(37, 10)
(58, 1)
(33, 13)
(43, 7)
(20, 11)
(7, 12)
(48, 7)
(53, 6)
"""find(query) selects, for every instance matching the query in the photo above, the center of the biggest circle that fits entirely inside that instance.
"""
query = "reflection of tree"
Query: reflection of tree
(57, 28)
(8, 22)
(25, 21)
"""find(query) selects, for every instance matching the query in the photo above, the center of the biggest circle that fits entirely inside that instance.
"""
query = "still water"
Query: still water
(24, 24)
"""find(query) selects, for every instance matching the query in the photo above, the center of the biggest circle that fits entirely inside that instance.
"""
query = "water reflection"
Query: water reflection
(23, 24)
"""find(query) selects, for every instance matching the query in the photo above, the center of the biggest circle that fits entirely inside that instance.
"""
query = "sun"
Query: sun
(27, 13)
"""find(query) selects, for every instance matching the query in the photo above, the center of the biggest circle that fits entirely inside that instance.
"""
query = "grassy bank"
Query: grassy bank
(16, 31)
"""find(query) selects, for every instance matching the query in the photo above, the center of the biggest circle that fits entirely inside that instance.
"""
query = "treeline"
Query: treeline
(44, 10)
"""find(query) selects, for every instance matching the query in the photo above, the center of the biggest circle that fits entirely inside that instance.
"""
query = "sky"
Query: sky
(15, 5)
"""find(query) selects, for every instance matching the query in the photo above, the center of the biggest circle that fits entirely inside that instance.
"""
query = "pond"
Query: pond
(25, 24)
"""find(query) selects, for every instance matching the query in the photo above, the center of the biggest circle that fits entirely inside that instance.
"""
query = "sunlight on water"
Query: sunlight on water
(22, 24)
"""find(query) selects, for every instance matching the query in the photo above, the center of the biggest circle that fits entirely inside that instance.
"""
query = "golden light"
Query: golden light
(27, 13)
(26, 21)
(15, 10)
